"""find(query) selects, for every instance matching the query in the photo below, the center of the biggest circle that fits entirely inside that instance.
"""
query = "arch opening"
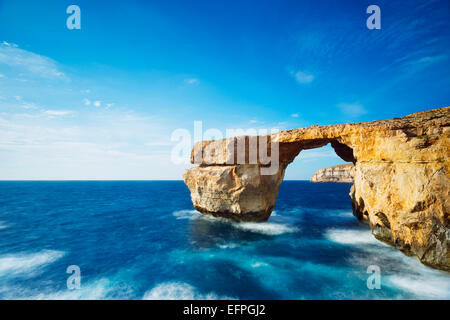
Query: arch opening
(307, 159)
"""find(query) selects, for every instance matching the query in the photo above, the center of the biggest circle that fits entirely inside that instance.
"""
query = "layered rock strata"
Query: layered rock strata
(340, 173)
(401, 177)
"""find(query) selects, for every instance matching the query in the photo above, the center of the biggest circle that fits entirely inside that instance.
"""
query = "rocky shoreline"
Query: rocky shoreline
(342, 173)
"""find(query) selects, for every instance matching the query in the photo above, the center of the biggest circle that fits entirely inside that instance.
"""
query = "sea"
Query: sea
(143, 240)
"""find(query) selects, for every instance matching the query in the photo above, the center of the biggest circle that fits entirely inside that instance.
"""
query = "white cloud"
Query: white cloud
(28, 63)
(57, 112)
(352, 109)
(49, 142)
(295, 115)
(303, 77)
(192, 81)
(418, 64)
(253, 121)
(159, 144)
(431, 59)
(116, 145)
(11, 45)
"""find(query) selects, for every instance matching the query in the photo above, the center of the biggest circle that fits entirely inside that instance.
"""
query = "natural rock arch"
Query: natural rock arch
(401, 184)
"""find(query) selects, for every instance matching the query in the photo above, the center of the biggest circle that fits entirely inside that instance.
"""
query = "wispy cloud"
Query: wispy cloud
(295, 115)
(97, 103)
(352, 110)
(192, 81)
(58, 112)
(10, 45)
(302, 77)
(414, 61)
(158, 143)
(29, 64)
(423, 62)
(43, 147)
(54, 139)
(25, 104)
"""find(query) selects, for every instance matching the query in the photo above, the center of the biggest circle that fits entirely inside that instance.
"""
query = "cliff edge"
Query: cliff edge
(340, 173)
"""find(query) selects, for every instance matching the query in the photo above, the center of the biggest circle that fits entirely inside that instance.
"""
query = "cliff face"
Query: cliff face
(401, 178)
(339, 173)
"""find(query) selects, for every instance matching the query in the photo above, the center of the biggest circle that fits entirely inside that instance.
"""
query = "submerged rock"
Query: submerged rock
(401, 178)
(340, 173)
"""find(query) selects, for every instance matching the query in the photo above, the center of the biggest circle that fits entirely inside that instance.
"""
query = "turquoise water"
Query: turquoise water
(142, 240)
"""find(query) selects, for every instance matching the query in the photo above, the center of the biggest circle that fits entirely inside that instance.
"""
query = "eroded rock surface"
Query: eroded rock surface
(401, 178)
(340, 173)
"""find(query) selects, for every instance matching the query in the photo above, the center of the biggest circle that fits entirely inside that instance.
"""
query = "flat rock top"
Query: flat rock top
(420, 121)
(422, 136)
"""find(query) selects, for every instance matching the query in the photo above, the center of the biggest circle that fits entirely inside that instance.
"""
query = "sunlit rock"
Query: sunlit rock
(401, 178)
(340, 173)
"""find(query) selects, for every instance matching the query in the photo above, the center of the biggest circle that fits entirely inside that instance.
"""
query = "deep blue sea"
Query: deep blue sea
(143, 240)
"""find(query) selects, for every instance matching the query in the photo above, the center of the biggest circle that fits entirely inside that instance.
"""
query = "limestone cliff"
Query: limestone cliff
(340, 173)
(401, 178)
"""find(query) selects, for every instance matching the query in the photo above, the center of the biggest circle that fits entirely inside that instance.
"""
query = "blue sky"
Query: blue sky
(102, 102)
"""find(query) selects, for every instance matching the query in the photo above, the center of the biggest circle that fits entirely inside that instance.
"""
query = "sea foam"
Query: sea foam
(21, 263)
(98, 289)
(185, 214)
(411, 277)
(179, 291)
(355, 237)
(268, 228)
(423, 286)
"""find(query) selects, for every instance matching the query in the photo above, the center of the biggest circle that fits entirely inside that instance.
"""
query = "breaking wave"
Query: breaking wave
(268, 228)
(427, 287)
(18, 264)
(185, 214)
(397, 270)
(179, 291)
(347, 236)
(230, 245)
(98, 289)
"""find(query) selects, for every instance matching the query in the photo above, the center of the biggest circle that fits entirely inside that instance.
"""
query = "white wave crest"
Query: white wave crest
(100, 289)
(3, 225)
(340, 213)
(259, 264)
(424, 286)
(179, 291)
(267, 228)
(355, 237)
(230, 245)
(18, 264)
(185, 214)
